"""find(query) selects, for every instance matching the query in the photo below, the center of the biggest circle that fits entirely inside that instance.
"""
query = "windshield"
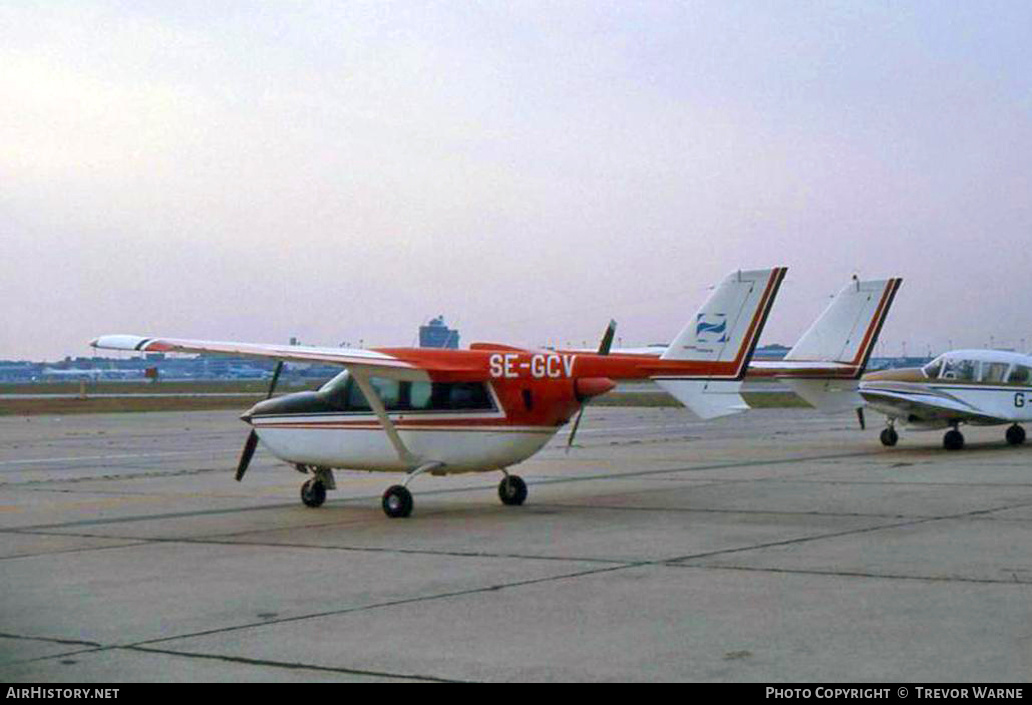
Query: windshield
(336, 384)
(335, 390)
(931, 370)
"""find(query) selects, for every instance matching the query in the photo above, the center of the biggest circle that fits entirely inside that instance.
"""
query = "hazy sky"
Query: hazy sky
(343, 171)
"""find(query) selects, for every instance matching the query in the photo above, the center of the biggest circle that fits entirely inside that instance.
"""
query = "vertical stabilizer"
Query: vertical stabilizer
(848, 328)
(724, 333)
(845, 334)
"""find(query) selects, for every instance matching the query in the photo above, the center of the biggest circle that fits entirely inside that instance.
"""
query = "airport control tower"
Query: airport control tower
(436, 334)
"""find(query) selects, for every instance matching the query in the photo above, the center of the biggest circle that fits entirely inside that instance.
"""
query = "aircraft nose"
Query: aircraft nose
(265, 406)
(296, 403)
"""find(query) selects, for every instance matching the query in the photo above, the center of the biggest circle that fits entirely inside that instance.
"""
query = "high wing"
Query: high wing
(922, 404)
(362, 364)
(373, 362)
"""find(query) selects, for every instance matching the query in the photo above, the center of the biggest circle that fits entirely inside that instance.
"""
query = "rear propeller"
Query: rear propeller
(603, 349)
(860, 417)
(252, 438)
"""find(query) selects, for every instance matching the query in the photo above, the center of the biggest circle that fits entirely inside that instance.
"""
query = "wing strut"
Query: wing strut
(376, 404)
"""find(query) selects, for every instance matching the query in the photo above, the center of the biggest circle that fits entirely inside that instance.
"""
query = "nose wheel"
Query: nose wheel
(313, 493)
(512, 490)
(889, 437)
(1015, 435)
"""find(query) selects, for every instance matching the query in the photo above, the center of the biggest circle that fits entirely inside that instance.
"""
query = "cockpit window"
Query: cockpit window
(931, 370)
(1020, 375)
(389, 391)
(994, 372)
(448, 396)
(960, 370)
(343, 393)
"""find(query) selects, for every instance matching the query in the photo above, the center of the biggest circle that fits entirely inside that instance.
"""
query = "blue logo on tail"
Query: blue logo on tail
(711, 328)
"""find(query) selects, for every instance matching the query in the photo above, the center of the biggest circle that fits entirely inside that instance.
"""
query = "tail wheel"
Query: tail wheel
(397, 502)
(953, 440)
(1015, 435)
(313, 493)
(889, 437)
(512, 490)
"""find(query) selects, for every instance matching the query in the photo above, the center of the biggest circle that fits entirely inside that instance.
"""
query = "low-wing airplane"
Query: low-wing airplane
(824, 367)
(978, 387)
(417, 410)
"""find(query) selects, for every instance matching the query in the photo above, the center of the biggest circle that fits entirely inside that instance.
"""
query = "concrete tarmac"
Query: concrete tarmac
(774, 546)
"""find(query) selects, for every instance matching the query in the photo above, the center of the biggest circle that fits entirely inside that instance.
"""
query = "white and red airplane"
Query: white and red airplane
(418, 410)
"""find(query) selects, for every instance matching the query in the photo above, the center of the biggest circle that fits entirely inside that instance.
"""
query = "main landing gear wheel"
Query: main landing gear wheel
(1015, 435)
(512, 490)
(313, 493)
(889, 437)
(397, 502)
(953, 440)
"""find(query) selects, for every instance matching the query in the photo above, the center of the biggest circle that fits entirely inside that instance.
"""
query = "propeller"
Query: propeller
(252, 438)
(860, 417)
(603, 349)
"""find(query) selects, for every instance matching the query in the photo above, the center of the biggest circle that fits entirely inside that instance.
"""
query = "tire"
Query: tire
(397, 502)
(889, 437)
(953, 440)
(313, 493)
(512, 490)
(1015, 435)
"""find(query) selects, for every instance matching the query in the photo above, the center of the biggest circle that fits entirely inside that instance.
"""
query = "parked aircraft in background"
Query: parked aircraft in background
(417, 410)
(978, 387)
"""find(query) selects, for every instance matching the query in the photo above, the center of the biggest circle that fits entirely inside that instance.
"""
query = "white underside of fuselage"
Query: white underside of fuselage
(474, 443)
(931, 406)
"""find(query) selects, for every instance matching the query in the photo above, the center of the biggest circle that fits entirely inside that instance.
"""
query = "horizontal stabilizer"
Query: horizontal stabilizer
(831, 396)
(707, 399)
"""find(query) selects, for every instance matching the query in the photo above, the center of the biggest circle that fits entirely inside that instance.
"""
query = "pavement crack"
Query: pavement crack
(391, 603)
(854, 574)
(292, 666)
(51, 640)
(851, 532)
